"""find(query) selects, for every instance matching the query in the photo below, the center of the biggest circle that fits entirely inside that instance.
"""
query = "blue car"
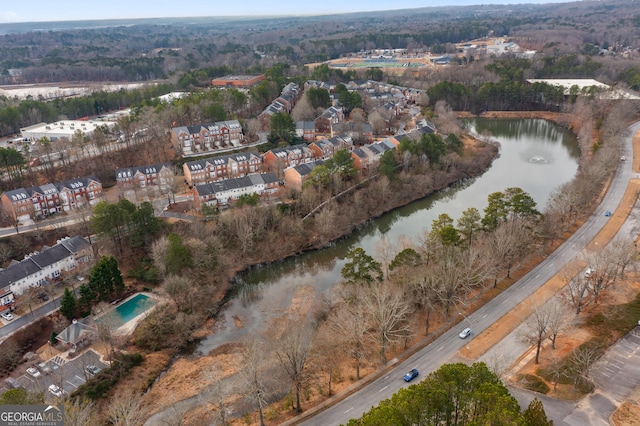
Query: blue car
(607, 213)
(411, 375)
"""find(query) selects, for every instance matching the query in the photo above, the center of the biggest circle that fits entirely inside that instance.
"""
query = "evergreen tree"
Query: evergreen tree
(68, 304)
(535, 415)
(455, 394)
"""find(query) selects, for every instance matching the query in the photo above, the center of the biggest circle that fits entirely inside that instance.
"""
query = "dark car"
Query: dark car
(43, 296)
(411, 375)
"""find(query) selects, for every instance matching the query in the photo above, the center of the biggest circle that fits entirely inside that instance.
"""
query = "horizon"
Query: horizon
(75, 10)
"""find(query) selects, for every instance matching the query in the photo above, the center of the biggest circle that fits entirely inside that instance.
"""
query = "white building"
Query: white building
(62, 129)
(45, 266)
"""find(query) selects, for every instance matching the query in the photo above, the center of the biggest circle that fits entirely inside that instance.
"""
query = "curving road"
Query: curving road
(439, 352)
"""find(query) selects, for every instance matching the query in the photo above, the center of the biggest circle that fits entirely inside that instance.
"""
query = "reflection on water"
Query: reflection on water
(266, 291)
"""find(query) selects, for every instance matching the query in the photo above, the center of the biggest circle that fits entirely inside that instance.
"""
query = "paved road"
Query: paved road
(446, 346)
(28, 318)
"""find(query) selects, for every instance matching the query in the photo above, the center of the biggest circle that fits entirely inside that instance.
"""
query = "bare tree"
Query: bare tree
(218, 393)
(349, 322)
(603, 270)
(292, 351)
(179, 289)
(623, 252)
(254, 362)
(536, 328)
(576, 292)
(303, 110)
(425, 289)
(79, 412)
(126, 409)
(158, 254)
(559, 320)
(388, 311)
(385, 252)
(581, 360)
(325, 355)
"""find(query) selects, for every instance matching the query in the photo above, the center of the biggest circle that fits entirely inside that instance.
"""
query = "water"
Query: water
(535, 155)
(128, 310)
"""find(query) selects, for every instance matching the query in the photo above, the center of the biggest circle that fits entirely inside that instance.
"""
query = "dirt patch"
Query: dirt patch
(627, 414)
(190, 377)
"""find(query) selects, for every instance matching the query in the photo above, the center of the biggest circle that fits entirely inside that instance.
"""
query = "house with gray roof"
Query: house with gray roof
(295, 177)
(226, 191)
(24, 204)
(158, 176)
(212, 169)
(45, 266)
(203, 138)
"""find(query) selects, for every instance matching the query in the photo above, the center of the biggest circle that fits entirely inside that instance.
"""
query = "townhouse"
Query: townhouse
(228, 190)
(23, 204)
(41, 268)
(296, 176)
(369, 155)
(225, 166)
(326, 148)
(158, 176)
(280, 158)
(283, 103)
(202, 138)
(306, 130)
(359, 132)
(330, 116)
(78, 192)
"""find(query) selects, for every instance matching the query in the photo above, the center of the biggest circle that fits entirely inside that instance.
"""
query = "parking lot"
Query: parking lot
(68, 375)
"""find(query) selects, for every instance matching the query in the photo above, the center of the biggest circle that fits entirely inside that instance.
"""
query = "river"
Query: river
(535, 155)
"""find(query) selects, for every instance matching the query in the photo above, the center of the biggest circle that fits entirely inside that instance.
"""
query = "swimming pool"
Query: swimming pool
(128, 310)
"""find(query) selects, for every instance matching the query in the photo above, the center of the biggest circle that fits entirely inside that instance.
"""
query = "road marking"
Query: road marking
(440, 348)
(485, 315)
(383, 388)
(348, 410)
(537, 276)
(74, 386)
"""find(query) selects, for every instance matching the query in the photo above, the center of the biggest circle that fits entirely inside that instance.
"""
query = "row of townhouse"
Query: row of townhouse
(283, 103)
(41, 268)
(221, 167)
(367, 156)
(160, 176)
(25, 203)
(228, 190)
(375, 90)
(213, 169)
(203, 138)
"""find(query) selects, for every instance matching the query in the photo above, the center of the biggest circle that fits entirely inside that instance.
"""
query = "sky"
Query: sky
(70, 10)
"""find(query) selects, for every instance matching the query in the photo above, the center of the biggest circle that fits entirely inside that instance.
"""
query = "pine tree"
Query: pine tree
(68, 305)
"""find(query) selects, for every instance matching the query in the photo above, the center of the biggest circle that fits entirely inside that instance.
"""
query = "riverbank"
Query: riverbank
(181, 380)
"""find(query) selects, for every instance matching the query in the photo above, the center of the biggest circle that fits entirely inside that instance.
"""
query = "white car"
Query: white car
(589, 272)
(623, 158)
(465, 333)
(7, 316)
(33, 372)
(55, 391)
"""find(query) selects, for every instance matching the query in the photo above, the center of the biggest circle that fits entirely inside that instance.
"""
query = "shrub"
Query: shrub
(534, 383)
(99, 386)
